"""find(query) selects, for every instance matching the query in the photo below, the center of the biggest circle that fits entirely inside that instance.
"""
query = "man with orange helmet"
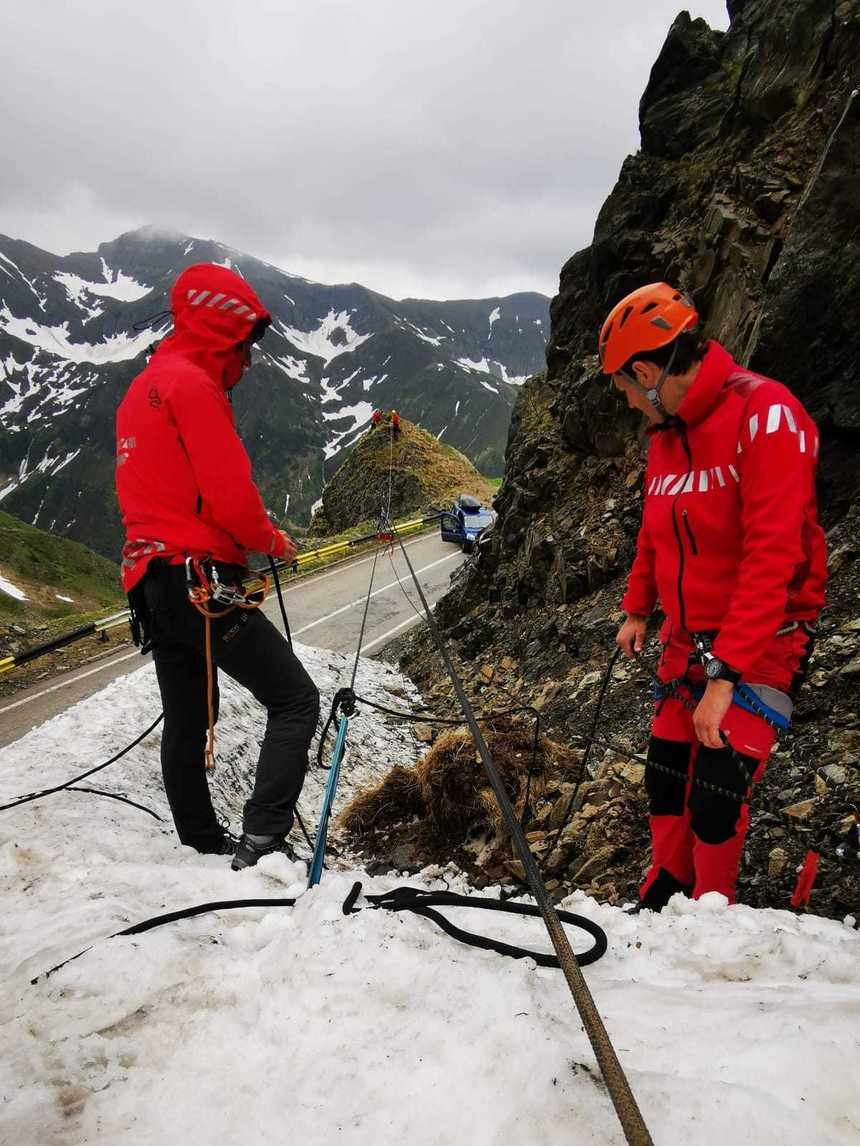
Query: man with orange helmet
(731, 547)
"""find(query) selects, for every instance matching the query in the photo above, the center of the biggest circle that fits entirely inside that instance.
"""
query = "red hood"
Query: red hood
(214, 309)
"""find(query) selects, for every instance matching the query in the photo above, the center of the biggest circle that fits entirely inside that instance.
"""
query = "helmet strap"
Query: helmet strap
(653, 395)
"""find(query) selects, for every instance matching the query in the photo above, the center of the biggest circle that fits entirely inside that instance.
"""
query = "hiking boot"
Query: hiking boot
(217, 845)
(251, 849)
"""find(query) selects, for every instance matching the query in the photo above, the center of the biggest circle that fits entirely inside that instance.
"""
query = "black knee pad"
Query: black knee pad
(666, 792)
(713, 817)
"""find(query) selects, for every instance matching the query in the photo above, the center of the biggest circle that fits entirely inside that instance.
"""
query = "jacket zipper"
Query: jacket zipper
(689, 533)
(677, 528)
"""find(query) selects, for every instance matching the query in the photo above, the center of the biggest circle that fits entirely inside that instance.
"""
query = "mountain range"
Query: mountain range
(74, 330)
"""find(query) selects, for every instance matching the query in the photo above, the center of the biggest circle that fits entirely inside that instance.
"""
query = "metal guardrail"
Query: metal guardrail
(10, 662)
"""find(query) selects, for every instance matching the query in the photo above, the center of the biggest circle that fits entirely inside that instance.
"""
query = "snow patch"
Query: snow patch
(373, 380)
(12, 590)
(359, 413)
(490, 366)
(511, 379)
(119, 286)
(434, 341)
(318, 342)
(495, 315)
(295, 368)
(55, 340)
(60, 597)
(734, 1024)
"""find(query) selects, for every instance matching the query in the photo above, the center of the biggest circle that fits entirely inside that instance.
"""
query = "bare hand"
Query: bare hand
(290, 548)
(710, 712)
(631, 635)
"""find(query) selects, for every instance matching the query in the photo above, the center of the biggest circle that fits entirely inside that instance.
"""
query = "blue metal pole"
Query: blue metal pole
(315, 874)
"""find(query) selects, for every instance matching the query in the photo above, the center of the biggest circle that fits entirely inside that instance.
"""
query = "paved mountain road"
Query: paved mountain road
(324, 610)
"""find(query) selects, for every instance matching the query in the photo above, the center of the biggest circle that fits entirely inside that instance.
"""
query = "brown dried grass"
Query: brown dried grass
(448, 789)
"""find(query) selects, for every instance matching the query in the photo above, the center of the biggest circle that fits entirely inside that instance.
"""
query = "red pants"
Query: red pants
(697, 835)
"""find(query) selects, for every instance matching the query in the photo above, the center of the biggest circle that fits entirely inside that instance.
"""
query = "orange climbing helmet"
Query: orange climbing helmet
(646, 319)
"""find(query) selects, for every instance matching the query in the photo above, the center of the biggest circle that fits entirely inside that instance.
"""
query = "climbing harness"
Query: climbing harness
(204, 585)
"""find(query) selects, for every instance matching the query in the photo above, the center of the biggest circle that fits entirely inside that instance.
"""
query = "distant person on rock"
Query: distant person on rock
(185, 490)
(731, 547)
(375, 418)
(395, 423)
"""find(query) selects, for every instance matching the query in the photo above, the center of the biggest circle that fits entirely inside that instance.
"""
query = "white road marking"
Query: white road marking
(65, 683)
(413, 620)
(375, 593)
(304, 629)
(313, 578)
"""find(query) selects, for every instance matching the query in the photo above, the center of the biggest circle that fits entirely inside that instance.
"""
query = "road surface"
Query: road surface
(324, 610)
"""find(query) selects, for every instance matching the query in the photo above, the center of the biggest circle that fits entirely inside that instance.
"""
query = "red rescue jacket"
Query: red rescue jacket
(183, 478)
(730, 539)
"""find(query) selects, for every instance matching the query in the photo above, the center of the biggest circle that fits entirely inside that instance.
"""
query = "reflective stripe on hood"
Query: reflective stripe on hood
(214, 310)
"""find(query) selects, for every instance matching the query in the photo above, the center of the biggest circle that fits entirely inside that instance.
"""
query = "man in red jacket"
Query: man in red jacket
(185, 490)
(731, 546)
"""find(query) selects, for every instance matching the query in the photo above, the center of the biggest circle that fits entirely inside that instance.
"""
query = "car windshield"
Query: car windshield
(479, 520)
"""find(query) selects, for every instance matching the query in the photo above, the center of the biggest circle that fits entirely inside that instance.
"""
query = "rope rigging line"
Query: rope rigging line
(629, 1115)
(420, 901)
(667, 689)
(90, 771)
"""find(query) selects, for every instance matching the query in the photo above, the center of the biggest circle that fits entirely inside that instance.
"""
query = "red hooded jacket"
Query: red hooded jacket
(730, 539)
(183, 478)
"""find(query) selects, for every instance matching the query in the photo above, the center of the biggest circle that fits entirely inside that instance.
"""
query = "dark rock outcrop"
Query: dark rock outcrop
(746, 194)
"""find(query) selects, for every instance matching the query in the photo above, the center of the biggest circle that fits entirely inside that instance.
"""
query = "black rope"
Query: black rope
(422, 902)
(418, 900)
(616, 1081)
(172, 917)
(607, 676)
(363, 620)
(281, 605)
(122, 799)
(411, 603)
(90, 771)
(301, 824)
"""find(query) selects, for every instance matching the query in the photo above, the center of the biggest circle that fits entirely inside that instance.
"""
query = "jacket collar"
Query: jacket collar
(708, 385)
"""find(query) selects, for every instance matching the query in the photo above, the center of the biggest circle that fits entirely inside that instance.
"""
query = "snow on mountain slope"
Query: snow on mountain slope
(320, 343)
(73, 332)
(733, 1025)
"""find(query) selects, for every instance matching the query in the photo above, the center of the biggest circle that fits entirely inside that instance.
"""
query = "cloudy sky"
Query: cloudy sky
(435, 148)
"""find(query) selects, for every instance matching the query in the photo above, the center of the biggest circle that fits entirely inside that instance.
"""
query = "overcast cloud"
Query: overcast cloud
(435, 148)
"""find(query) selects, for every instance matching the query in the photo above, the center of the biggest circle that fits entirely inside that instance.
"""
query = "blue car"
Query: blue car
(466, 521)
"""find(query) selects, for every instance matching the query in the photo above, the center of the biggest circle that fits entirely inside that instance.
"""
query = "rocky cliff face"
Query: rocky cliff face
(746, 193)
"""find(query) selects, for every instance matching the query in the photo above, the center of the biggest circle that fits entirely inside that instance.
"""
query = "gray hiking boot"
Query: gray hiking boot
(251, 849)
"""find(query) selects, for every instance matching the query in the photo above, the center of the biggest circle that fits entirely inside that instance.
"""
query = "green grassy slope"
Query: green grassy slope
(44, 567)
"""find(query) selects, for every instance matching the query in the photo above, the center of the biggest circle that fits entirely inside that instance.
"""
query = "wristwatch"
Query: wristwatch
(715, 669)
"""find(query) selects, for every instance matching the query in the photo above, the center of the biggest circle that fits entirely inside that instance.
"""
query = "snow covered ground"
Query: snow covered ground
(302, 1025)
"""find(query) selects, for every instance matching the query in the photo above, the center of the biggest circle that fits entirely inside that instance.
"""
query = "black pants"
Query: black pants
(248, 647)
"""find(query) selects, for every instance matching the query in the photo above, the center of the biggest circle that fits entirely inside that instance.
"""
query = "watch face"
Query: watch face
(713, 668)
